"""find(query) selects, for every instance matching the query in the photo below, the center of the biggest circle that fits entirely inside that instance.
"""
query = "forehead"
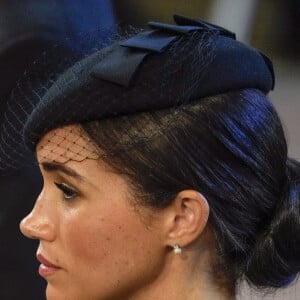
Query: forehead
(68, 143)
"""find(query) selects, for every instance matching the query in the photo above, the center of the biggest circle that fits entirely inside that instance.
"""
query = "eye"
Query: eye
(68, 192)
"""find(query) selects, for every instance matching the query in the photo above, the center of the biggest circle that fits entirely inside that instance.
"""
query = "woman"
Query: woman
(165, 171)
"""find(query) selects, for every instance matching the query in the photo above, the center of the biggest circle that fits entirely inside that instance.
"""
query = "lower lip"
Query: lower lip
(45, 271)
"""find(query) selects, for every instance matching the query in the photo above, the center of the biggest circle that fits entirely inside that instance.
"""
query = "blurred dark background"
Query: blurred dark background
(29, 27)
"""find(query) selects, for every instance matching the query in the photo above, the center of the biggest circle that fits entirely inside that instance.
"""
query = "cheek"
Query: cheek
(113, 254)
(91, 242)
(105, 242)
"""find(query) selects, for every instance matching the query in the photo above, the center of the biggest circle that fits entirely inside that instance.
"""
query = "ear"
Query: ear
(186, 218)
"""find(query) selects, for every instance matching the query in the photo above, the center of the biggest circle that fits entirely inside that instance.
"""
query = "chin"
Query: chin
(53, 293)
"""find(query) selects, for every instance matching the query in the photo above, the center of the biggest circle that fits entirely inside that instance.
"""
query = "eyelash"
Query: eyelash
(68, 193)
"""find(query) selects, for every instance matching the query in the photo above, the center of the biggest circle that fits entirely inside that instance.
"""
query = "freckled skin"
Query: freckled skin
(105, 249)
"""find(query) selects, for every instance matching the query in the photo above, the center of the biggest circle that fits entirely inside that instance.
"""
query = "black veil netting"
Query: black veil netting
(164, 68)
(33, 85)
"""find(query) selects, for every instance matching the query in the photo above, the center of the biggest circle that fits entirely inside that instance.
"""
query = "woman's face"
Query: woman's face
(94, 243)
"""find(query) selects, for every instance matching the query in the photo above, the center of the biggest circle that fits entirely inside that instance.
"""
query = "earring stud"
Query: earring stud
(177, 250)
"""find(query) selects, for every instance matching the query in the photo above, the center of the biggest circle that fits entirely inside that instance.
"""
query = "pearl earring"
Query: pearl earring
(177, 250)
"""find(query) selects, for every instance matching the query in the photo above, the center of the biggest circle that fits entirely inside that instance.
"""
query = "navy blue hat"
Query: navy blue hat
(167, 66)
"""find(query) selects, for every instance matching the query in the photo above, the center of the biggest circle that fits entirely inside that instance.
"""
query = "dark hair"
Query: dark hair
(231, 148)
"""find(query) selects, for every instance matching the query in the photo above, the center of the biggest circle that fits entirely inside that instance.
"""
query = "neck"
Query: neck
(186, 276)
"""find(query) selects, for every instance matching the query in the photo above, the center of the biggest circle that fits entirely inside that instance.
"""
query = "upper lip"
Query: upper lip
(44, 261)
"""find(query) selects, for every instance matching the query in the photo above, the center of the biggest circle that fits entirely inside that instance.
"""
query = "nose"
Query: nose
(37, 224)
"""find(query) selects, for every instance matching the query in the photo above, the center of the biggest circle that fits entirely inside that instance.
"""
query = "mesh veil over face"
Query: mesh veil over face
(163, 69)
(31, 88)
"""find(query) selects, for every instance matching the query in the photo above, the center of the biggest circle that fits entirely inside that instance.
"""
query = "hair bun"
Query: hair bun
(275, 260)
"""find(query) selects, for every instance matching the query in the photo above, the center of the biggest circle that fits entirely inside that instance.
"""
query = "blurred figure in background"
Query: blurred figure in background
(29, 28)
(289, 21)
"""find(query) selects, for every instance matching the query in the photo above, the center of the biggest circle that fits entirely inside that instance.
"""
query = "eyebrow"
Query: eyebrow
(56, 167)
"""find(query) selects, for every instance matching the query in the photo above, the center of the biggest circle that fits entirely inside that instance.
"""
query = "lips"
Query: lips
(46, 268)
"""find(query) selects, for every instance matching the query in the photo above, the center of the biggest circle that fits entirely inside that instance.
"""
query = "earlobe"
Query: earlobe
(188, 217)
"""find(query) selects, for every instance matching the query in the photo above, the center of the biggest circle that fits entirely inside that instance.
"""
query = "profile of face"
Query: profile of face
(97, 241)
(94, 242)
